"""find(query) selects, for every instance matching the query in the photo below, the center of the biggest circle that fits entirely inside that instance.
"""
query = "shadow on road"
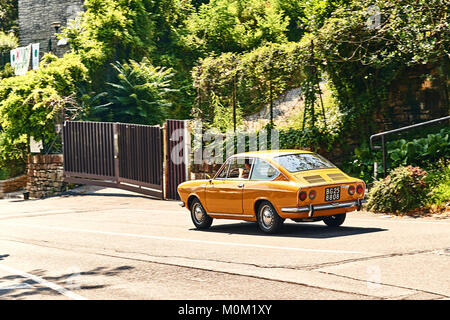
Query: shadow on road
(295, 230)
(18, 287)
(3, 256)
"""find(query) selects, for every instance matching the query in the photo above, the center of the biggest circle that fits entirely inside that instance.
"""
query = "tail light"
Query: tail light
(359, 189)
(302, 196)
(312, 195)
(351, 190)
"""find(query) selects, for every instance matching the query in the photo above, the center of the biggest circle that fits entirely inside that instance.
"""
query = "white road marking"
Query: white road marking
(43, 282)
(144, 236)
(44, 213)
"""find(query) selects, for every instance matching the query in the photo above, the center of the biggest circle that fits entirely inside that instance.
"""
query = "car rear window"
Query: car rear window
(303, 162)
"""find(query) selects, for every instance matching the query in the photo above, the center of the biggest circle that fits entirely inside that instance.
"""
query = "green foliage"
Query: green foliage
(13, 170)
(439, 191)
(6, 72)
(403, 190)
(316, 12)
(112, 31)
(362, 61)
(8, 41)
(273, 68)
(9, 13)
(311, 139)
(30, 105)
(223, 115)
(235, 26)
(422, 152)
(139, 94)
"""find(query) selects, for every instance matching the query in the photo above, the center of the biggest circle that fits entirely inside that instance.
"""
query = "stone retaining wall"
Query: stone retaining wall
(37, 16)
(45, 175)
(12, 185)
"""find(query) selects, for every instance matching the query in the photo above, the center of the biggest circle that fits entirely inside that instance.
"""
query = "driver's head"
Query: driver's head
(247, 164)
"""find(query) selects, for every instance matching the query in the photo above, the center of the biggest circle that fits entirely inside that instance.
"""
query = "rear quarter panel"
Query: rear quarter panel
(279, 193)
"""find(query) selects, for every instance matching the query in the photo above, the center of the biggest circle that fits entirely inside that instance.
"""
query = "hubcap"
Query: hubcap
(267, 216)
(198, 212)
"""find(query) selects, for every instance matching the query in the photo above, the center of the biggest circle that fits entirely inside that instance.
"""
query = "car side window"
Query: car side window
(240, 168)
(223, 173)
(264, 171)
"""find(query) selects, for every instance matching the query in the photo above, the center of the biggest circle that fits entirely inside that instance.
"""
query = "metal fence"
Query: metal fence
(115, 155)
(126, 156)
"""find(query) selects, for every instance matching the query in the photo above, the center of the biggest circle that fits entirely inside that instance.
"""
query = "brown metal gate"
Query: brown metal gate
(125, 156)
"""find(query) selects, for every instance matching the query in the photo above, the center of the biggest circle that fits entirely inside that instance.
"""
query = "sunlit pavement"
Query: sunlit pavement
(112, 244)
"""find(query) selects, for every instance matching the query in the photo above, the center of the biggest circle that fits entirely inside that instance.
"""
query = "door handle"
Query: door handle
(240, 185)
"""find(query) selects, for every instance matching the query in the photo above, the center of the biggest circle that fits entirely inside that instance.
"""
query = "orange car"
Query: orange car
(271, 186)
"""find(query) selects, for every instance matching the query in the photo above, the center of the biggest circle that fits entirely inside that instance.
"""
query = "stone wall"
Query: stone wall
(36, 18)
(12, 185)
(45, 175)
(419, 94)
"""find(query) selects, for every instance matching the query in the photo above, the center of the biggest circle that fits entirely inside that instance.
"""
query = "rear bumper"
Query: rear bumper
(329, 206)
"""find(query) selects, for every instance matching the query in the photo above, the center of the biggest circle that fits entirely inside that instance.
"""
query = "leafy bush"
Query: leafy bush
(31, 104)
(420, 151)
(439, 187)
(272, 68)
(139, 95)
(8, 42)
(230, 25)
(13, 171)
(403, 190)
(423, 152)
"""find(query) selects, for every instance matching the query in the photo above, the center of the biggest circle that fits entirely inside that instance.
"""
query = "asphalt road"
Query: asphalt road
(111, 244)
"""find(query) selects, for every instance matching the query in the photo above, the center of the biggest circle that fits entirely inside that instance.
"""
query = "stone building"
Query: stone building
(40, 19)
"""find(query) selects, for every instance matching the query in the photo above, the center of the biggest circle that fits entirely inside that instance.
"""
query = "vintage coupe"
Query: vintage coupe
(271, 186)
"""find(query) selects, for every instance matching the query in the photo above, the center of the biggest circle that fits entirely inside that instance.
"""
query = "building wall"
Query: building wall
(36, 18)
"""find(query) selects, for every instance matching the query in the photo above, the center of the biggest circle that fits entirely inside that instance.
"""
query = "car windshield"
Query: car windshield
(303, 162)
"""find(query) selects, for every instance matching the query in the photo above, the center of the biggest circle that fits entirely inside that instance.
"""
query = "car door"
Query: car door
(259, 185)
(224, 194)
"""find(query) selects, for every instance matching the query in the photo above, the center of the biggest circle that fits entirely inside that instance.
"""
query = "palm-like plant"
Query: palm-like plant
(140, 93)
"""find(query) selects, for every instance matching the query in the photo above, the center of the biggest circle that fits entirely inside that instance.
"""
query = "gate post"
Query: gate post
(176, 141)
(116, 152)
(165, 160)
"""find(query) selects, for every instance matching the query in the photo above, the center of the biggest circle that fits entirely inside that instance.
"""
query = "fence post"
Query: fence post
(116, 152)
(165, 163)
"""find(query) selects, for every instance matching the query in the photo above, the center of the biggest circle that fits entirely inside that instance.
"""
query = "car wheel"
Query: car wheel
(199, 217)
(334, 221)
(268, 219)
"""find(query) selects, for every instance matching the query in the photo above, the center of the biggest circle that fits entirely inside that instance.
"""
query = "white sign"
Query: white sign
(20, 60)
(35, 146)
(35, 52)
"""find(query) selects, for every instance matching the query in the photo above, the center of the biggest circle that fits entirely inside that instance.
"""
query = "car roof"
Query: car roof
(270, 154)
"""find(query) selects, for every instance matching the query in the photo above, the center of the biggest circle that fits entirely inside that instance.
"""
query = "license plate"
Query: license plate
(332, 194)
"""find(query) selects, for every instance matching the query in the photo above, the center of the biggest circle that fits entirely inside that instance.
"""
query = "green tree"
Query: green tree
(8, 42)
(139, 95)
(235, 26)
(31, 105)
(9, 13)
(112, 31)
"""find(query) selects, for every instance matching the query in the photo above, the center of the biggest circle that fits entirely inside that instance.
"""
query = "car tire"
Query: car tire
(199, 217)
(334, 221)
(268, 219)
